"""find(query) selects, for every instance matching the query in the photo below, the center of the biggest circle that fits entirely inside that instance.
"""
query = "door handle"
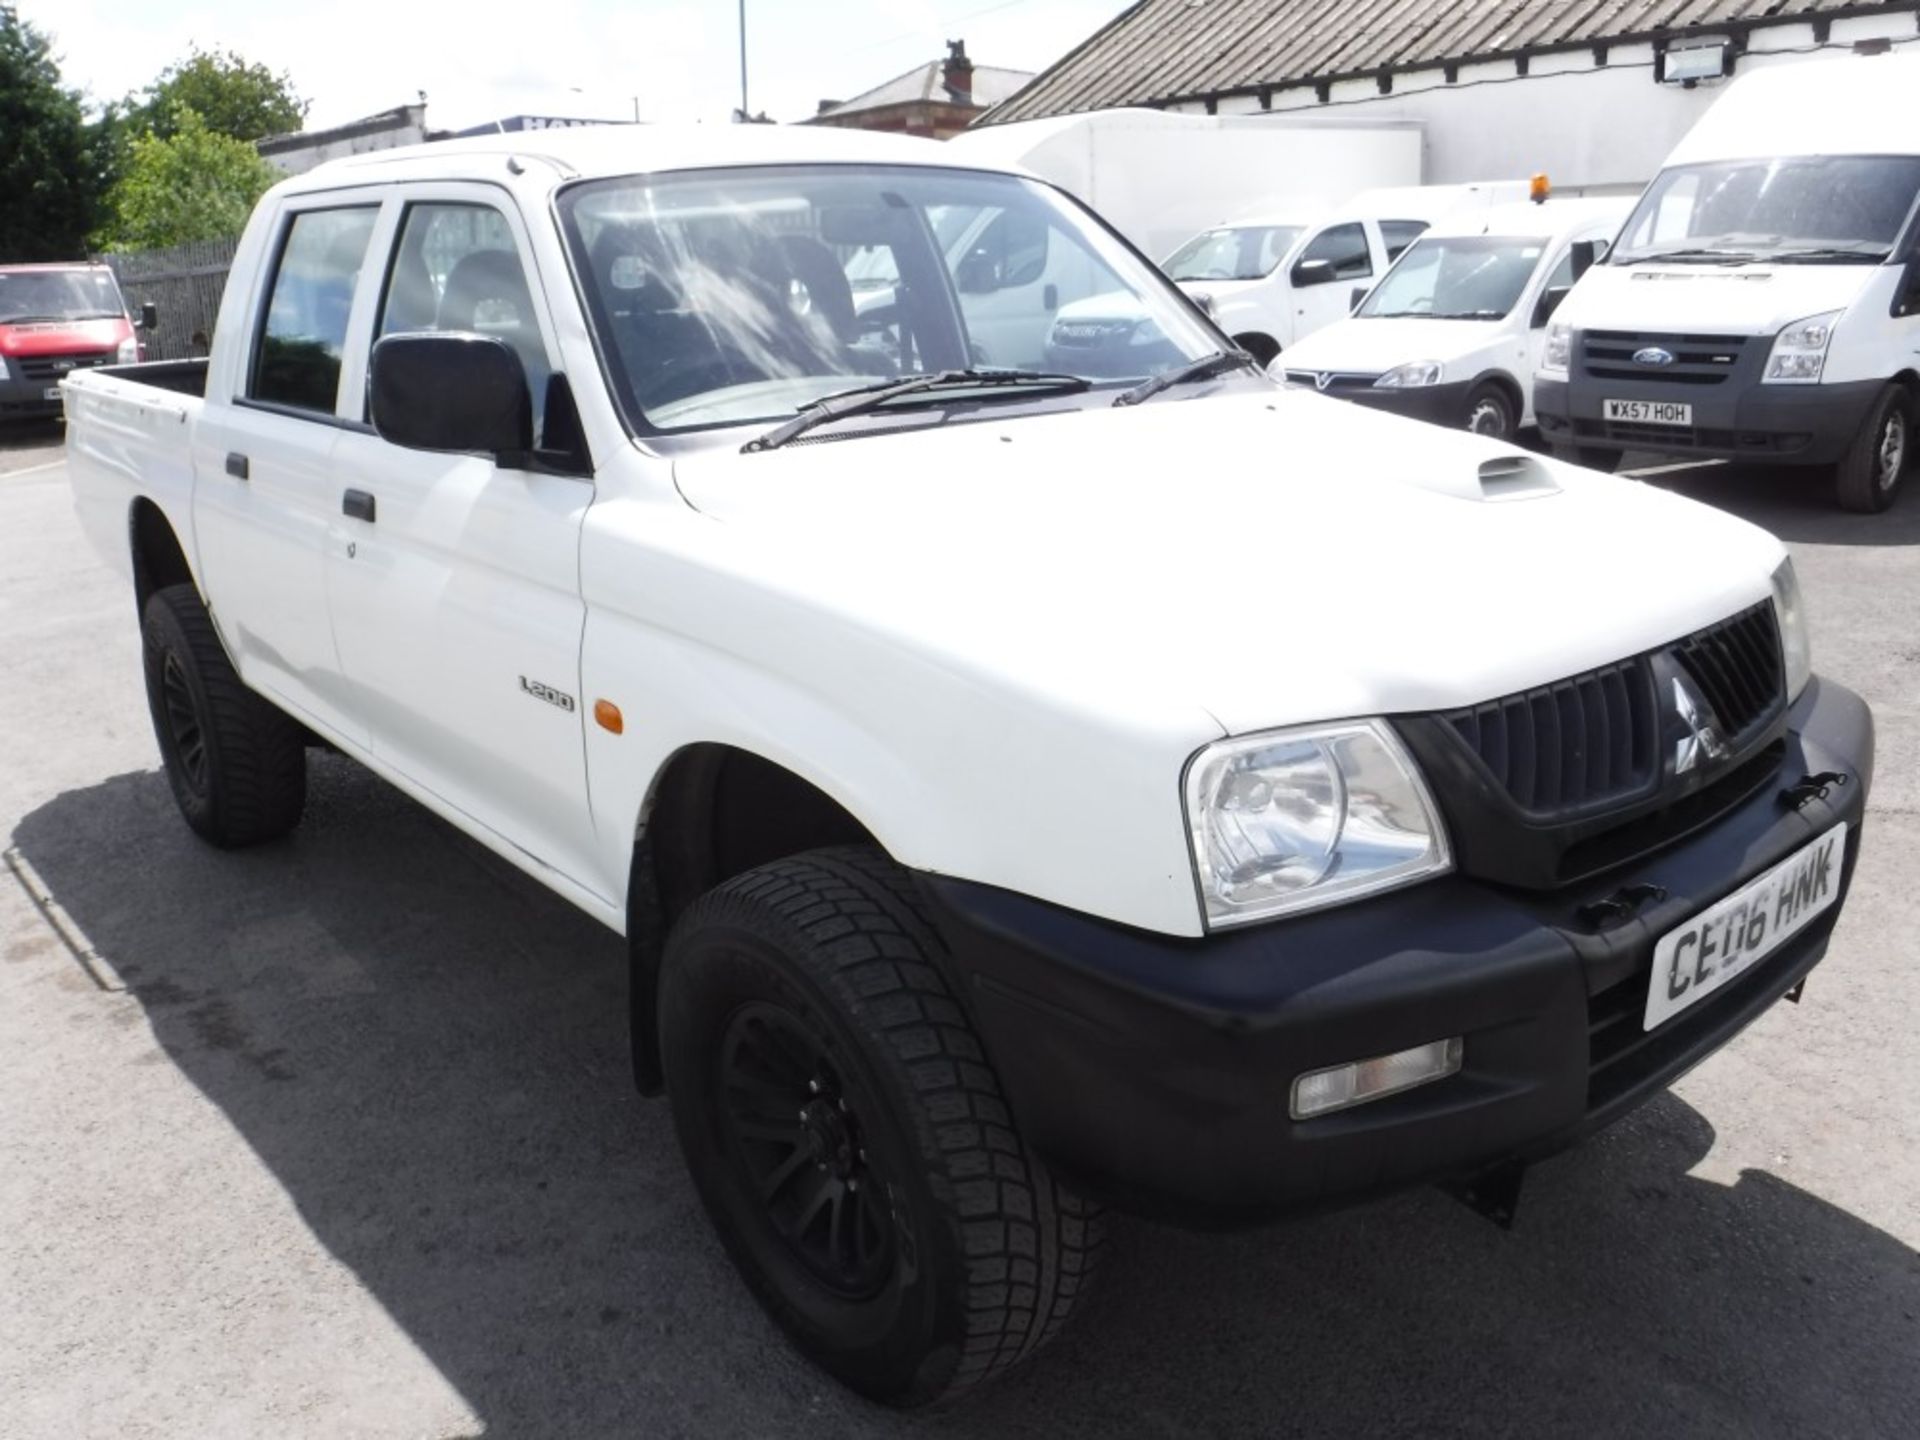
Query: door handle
(358, 505)
(237, 465)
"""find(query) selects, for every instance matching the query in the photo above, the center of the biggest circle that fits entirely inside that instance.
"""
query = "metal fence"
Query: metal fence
(184, 283)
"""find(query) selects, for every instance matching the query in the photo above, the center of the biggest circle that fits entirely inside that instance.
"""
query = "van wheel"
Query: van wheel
(237, 765)
(849, 1138)
(1490, 412)
(1594, 457)
(1868, 478)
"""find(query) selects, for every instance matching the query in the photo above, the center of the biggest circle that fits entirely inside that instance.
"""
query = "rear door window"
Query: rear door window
(1346, 247)
(1397, 235)
(304, 331)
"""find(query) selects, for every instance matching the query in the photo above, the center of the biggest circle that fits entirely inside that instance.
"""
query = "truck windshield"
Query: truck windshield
(1457, 277)
(734, 296)
(1244, 252)
(1813, 209)
(29, 295)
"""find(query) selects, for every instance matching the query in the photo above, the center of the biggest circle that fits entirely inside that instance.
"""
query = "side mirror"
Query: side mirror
(149, 317)
(1550, 300)
(1312, 272)
(1586, 254)
(453, 392)
(1356, 298)
(977, 274)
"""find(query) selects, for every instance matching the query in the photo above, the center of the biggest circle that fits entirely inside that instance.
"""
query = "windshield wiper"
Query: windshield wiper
(863, 398)
(1465, 314)
(1828, 255)
(1694, 257)
(1201, 369)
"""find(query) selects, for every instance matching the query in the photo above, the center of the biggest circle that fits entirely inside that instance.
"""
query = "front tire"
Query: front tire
(237, 765)
(1491, 412)
(849, 1138)
(1868, 477)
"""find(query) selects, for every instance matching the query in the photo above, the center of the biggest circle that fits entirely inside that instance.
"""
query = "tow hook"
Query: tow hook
(1811, 787)
(1493, 1193)
(1623, 904)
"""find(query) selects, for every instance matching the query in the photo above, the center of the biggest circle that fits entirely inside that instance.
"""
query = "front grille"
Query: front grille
(1572, 744)
(1335, 381)
(1738, 668)
(1697, 359)
(1593, 741)
(51, 368)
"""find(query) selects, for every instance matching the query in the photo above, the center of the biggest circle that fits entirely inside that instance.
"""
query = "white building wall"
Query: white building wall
(1592, 129)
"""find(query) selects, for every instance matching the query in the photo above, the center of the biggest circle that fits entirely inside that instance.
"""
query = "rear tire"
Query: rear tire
(1867, 480)
(237, 765)
(849, 1138)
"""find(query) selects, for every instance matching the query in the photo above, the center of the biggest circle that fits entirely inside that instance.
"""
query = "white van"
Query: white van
(1453, 332)
(1763, 302)
(1272, 280)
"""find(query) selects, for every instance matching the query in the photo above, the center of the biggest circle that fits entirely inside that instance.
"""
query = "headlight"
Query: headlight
(5, 374)
(1558, 352)
(1297, 819)
(1800, 351)
(129, 352)
(1795, 648)
(1414, 376)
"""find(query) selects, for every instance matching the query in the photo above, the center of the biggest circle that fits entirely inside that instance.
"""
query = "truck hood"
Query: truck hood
(1268, 557)
(62, 337)
(1373, 347)
(1710, 299)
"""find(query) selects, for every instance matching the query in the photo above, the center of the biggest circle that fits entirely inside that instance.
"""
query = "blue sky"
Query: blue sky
(482, 59)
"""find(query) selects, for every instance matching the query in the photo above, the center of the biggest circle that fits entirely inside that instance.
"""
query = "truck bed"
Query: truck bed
(183, 377)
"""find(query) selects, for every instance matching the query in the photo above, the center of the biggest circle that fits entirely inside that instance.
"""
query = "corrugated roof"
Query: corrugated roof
(1165, 50)
(991, 85)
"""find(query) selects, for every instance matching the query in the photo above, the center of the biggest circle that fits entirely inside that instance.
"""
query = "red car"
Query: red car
(55, 319)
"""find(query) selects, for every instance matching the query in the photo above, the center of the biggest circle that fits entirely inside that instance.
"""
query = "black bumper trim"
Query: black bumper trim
(1154, 1071)
(1781, 424)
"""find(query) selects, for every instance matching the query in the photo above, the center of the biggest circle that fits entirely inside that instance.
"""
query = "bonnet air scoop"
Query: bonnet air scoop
(1516, 477)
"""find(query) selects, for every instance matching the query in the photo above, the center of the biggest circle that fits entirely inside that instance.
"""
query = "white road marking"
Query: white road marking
(32, 469)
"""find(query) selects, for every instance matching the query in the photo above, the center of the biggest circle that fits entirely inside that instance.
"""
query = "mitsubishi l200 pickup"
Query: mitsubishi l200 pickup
(1021, 792)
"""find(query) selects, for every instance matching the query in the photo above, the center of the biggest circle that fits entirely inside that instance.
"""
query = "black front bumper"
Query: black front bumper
(1155, 1072)
(1737, 420)
(1444, 404)
(23, 399)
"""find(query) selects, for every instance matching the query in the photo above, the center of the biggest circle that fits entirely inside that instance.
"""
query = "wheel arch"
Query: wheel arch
(159, 559)
(713, 811)
(1507, 386)
(1261, 346)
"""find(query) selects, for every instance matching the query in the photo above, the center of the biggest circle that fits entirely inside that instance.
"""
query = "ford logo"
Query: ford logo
(1653, 355)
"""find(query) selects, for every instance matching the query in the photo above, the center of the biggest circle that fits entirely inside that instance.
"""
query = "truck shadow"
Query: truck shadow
(427, 1052)
(31, 434)
(1796, 505)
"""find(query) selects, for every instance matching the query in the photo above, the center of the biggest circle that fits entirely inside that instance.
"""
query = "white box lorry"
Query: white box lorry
(1763, 304)
(994, 832)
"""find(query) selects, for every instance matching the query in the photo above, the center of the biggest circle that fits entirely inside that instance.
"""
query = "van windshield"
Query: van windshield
(1456, 277)
(1236, 252)
(734, 296)
(1817, 209)
(29, 295)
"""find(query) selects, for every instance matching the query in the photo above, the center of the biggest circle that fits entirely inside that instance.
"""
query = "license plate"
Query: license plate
(1650, 412)
(1720, 942)
(52, 392)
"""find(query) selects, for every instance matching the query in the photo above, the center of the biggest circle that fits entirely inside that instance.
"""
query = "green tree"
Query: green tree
(52, 162)
(231, 97)
(194, 184)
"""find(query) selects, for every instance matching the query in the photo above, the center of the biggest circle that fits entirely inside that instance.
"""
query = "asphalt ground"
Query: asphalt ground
(335, 1138)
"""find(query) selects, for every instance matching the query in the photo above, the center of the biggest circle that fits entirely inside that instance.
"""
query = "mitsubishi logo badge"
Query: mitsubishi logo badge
(1703, 740)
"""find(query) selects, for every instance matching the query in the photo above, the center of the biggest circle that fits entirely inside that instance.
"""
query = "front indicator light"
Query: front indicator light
(1340, 1087)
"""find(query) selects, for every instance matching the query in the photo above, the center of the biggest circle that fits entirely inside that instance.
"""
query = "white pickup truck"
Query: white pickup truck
(1021, 792)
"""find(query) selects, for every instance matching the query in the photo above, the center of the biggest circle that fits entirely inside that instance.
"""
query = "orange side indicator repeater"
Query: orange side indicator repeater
(607, 715)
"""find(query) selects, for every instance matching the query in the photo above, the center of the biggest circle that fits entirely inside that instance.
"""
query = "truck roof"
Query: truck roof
(12, 269)
(1814, 107)
(1548, 220)
(596, 151)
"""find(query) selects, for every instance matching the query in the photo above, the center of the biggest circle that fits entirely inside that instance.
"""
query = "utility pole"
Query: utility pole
(745, 113)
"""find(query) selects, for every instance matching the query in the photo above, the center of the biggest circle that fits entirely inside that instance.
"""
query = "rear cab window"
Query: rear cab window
(303, 326)
(1397, 235)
